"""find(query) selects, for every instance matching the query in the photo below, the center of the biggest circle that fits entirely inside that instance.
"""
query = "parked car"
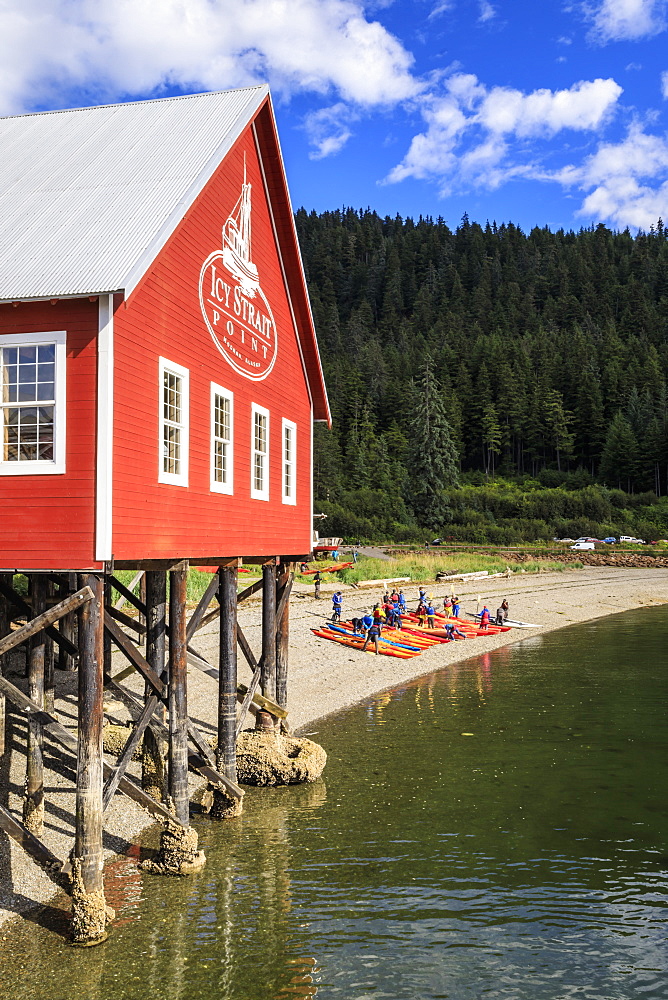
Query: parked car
(580, 546)
(437, 541)
(610, 541)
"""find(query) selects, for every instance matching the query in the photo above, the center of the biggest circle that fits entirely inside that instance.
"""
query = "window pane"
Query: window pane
(27, 355)
(47, 352)
(258, 472)
(27, 393)
(11, 355)
(46, 452)
(46, 390)
(27, 452)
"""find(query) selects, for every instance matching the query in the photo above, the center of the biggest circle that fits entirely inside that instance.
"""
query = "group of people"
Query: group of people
(501, 615)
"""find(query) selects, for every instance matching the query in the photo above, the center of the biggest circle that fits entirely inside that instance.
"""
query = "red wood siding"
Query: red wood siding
(163, 318)
(48, 520)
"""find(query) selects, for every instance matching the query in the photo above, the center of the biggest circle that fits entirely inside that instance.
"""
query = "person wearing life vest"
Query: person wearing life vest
(455, 606)
(447, 607)
(378, 617)
(337, 604)
(484, 619)
(431, 615)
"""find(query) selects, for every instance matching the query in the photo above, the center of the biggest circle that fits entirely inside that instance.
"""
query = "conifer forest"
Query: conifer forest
(486, 384)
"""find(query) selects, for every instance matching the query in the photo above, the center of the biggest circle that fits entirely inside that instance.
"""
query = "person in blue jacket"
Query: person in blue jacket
(337, 604)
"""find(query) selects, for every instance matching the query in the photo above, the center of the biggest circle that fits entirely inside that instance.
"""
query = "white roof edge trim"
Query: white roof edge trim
(299, 257)
(142, 264)
(57, 297)
(149, 100)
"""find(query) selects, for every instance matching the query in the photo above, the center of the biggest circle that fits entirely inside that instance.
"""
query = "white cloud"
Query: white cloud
(489, 120)
(487, 12)
(664, 84)
(441, 8)
(133, 47)
(617, 20)
(626, 183)
(329, 129)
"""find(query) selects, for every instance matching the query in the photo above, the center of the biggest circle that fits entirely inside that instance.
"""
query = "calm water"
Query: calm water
(495, 830)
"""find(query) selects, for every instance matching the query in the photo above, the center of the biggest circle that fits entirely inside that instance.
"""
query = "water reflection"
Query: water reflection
(495, 829)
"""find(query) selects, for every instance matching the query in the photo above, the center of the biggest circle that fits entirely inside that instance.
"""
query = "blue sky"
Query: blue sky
(551, 113)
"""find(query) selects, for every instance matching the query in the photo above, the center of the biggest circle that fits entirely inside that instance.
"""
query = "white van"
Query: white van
(583, 545)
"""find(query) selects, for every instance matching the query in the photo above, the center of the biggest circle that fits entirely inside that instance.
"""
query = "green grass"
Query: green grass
(425, 567)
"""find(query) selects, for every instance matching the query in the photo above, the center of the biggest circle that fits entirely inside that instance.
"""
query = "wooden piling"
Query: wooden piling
(33, 800)
(49, 658)
(227, 677)
(154, 753)
(178, 704)
(268, 674)
(226, 806)
(5, 625)
(88, 903)
(285, 577)
(68, 624)
(178, 854)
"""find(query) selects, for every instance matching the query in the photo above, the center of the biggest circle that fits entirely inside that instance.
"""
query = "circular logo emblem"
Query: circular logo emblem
(239, 318)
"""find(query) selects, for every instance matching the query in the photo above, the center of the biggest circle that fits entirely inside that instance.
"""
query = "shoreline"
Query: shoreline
(325, 678)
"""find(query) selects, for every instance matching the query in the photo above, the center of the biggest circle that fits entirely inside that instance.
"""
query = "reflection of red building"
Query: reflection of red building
(160, 377)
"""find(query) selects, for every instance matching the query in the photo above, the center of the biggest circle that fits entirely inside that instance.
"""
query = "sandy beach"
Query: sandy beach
(324, 678)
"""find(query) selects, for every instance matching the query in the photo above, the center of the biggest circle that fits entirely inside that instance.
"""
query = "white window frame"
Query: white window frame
(292, 462)
(41, 467)
(216, 487)
(172, 478)
(256, 494)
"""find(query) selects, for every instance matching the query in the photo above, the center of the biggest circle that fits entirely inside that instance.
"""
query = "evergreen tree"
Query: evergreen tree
(432, 456)
(619, 454)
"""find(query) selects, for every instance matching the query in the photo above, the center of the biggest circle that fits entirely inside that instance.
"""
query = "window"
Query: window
(174, 416)
(289, 462)
(222, 447)
(32, 403)
(259, 453)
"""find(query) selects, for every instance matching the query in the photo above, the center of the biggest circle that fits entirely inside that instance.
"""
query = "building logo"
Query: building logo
(234, 307)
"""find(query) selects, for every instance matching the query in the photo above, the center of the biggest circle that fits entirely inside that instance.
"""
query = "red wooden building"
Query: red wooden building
(159, 361)
(159, 380)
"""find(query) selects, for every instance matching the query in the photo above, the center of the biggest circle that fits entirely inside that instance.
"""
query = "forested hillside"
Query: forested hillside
(488, 358)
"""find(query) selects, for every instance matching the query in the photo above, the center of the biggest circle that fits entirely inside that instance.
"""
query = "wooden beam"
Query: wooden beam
(62, 736)
(126, 620)
(25, 608)
(128, 594)
(45, 618)
(147, 564)
(126, 646)
(246, 650)
(128, 750)
(133, 583)
(154, 776)
(196, 762)
(248, 592)
(200, 610)
(216, 778)
(259, 699)
(67, 626)
(38, 851)
(248, 699)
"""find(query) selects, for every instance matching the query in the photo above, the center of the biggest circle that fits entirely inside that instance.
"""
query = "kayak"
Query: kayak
(381, 638)
(511, 623)
(359, 642)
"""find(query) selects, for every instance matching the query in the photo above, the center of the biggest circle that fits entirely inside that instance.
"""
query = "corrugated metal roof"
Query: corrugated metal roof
(89, 196)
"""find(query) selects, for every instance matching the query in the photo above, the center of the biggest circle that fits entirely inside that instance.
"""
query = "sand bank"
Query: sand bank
(324, 678)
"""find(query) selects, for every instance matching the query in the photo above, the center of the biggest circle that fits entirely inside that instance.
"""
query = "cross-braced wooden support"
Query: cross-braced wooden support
(268, 672)
(5, 623)
(33, 799)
